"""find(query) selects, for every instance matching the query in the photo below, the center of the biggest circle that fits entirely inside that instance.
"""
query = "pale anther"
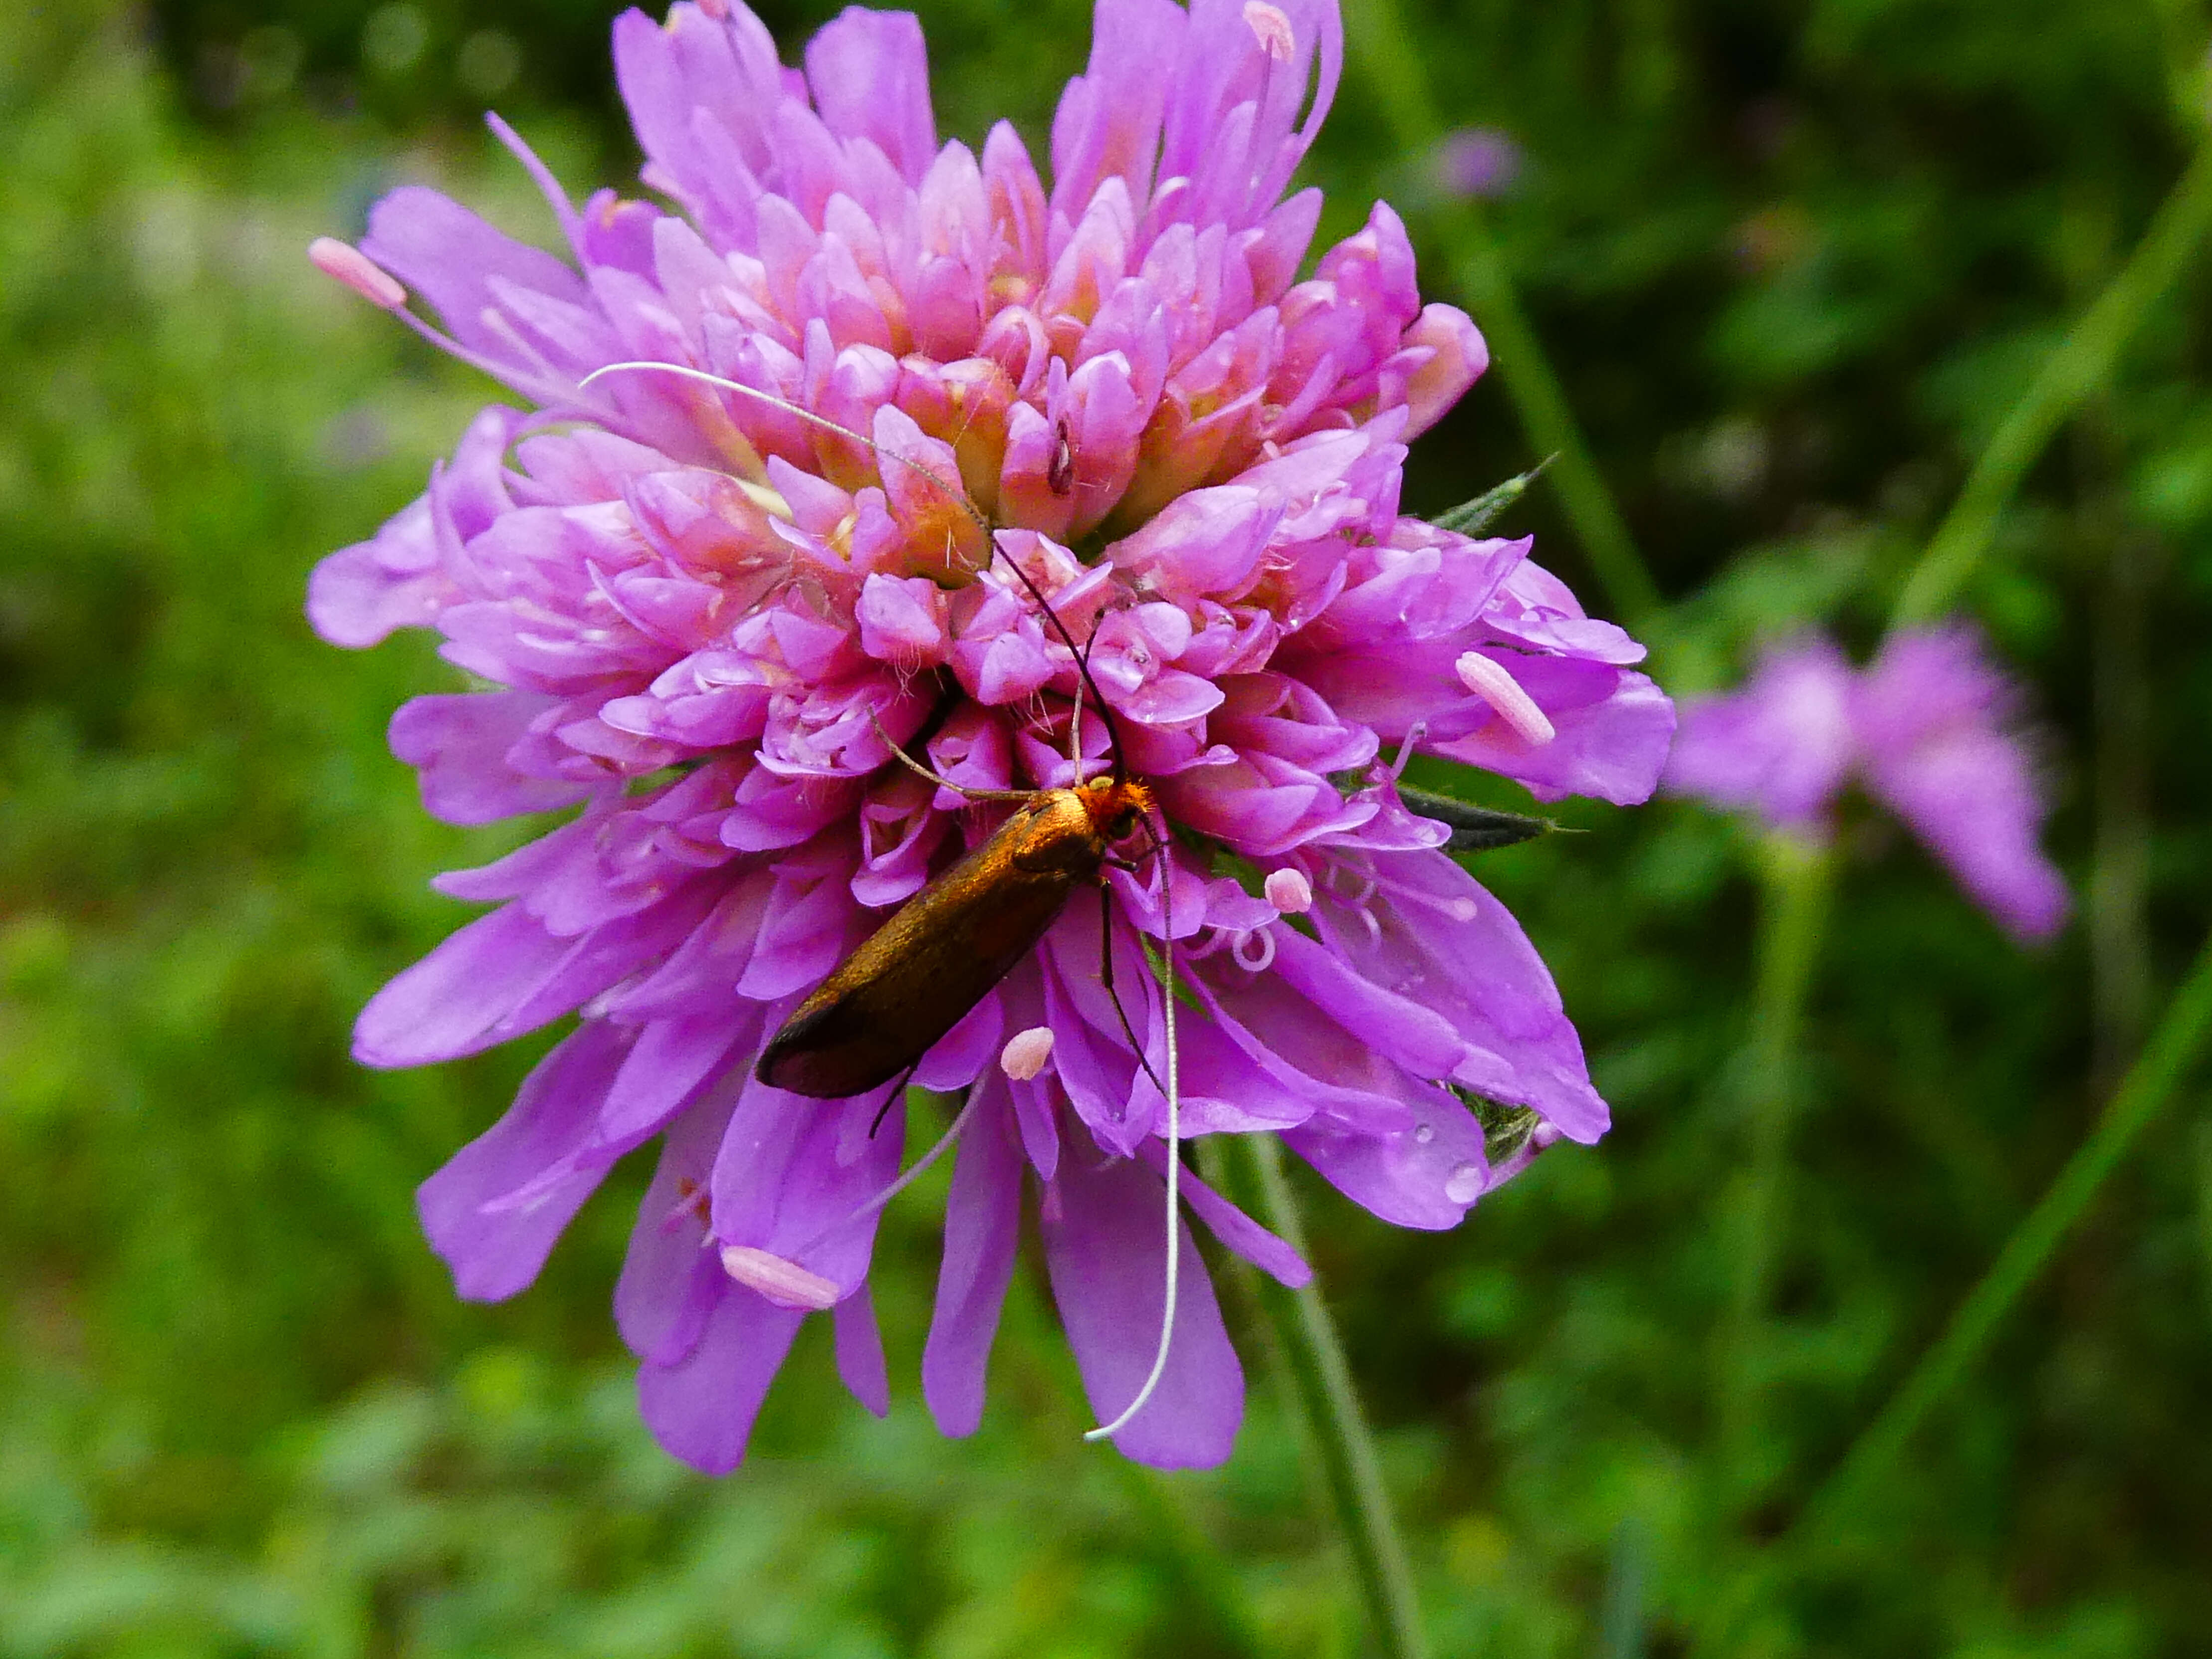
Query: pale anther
(784, 1283)
(1490, 679)
(1025, 1053)
(1289, 891)
(1277, 38)
(347, 264)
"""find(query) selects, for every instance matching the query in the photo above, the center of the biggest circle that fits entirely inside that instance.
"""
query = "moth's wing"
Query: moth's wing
(912, 981)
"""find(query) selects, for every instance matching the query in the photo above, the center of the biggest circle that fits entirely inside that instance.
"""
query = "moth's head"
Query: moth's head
(1117, 806)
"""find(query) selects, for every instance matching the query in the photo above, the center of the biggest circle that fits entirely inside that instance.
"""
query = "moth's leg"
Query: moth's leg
(920, 771)
(1106, 979)
(898, 1094)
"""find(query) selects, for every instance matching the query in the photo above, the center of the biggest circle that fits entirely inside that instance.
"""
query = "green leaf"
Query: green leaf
(1469, 518)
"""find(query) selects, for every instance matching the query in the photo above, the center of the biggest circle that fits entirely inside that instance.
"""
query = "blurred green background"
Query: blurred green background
(1792, 259)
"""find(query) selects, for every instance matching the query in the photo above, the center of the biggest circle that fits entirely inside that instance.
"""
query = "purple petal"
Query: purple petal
(670, 1280)
(1105, 1248)
(1424, 1175)
(963, 1052)
(795, 1177)
(982, 1221)
(497, 1251)
(460, 744)
(1108, 120)
(1438, 937)
(447, 1004)
(450, 257)
(1236, 1231)
(870, 77)
(701, 1407)
(671, 1059)
(504, 975)
(1972, 797)
(1937, 726)
(1458, 356)
(1612, 730)
(361, 594)
(860, 1352)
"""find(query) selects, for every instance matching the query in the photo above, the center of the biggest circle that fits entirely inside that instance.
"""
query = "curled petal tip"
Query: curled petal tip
(347, 264)
(1458, 355)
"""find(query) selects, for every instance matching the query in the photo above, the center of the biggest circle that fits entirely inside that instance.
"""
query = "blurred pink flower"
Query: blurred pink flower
(1931, 729)
(1478, 162)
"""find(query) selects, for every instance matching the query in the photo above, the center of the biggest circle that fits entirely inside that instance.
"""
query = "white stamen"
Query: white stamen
(1173, 1276)
(1414, 739)
(1254, 951)
(784, 1283)
(1289, 891)
(1277, 38)
(1490, 679)
(343, 262)
(1026, 1053)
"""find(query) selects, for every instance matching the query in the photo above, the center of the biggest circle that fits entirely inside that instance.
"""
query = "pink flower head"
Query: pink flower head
(1476, 162)
(710, 614)
(1931, 729)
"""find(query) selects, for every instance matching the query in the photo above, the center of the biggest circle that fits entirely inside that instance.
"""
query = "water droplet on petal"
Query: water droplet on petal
(1465, 1184)
(1424, 1133)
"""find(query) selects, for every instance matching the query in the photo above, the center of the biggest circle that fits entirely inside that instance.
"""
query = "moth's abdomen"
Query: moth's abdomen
(938, 955)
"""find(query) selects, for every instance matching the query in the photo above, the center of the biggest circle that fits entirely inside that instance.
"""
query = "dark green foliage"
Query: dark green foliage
(1792, 262)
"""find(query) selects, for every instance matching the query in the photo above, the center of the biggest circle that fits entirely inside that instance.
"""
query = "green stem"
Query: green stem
(2077, 367)
(1796, 876)
(2173, 1047)
(1620, 1629)
(1252, 1168)
(1383, 49)
(1222, 1618)
(2204, 1150)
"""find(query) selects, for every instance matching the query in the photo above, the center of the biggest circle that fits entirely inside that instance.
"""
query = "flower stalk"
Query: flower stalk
(2077, 367)
(1251, 1168)
(1797, 879)
(2167, 1058)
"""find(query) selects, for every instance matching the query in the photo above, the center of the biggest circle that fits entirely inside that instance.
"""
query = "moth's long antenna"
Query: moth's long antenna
(686, 372)
(1106, 978)
(1075, 731)
(921, 771)
(1082, 663)
(1173, 1276)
